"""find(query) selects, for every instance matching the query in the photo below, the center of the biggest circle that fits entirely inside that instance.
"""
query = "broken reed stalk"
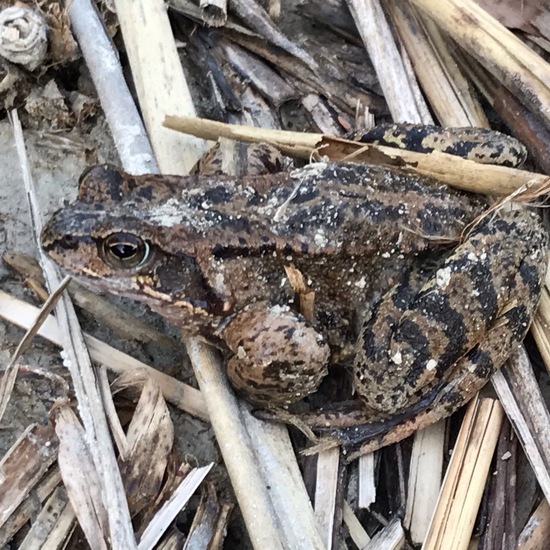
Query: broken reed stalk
(455, 171)
(399, 90)
(462, 488)
(503, 54)
(446, 89)
(96, 439)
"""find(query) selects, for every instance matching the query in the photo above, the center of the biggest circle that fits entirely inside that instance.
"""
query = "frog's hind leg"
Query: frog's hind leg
(492, 279)
(471, 374)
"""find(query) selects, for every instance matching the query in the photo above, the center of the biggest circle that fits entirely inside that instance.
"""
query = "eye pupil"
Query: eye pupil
(125, 250)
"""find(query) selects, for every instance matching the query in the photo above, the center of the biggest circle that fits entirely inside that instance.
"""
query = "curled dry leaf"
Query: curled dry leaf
(150, 439)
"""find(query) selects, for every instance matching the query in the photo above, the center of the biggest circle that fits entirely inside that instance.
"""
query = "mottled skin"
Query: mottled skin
(209, 253)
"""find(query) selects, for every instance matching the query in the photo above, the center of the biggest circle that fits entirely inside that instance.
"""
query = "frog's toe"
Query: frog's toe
(278, 357)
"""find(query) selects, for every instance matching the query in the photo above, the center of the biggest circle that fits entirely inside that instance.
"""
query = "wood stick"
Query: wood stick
(520, 395)
(462, 489)
(455, 171)
(160, 83)
(504, 55)
(399, 90)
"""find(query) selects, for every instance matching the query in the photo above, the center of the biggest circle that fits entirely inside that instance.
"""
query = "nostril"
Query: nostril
(68, 241)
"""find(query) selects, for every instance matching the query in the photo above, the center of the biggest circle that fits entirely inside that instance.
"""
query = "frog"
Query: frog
(418, 288)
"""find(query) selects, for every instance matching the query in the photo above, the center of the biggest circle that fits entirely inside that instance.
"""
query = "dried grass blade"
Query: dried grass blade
(164, 517)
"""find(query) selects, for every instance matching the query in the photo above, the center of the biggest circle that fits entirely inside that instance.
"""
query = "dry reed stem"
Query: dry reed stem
(160, 83)
(462, 488)
(536, 533)
(504, 55)
(520, 395)
(446, 89)
(400, 91)
(96, 431)
(179, 394)
(455, 171)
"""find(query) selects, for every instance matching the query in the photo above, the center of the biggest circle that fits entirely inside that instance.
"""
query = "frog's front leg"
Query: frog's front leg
(279, 358)
(460, 325)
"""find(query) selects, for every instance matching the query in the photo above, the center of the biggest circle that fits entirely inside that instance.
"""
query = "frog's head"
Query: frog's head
(107, 240)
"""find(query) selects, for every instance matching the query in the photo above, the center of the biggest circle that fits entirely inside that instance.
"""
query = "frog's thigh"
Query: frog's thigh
(278, 357)
(494, 277)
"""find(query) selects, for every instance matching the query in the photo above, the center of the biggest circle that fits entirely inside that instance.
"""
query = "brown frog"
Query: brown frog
(424, 320)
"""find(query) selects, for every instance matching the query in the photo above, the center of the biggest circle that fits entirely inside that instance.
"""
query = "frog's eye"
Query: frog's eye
(125, 250)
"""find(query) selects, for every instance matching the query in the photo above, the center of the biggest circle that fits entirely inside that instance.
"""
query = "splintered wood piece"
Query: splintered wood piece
(462, 489)
(445, 87)
(391, 537)
(356, 531)
(400, 90)
(328, 463)
(182, 395)
(23, 465)
(173, 506)
(536, 533)
(367, 481)
(520, 395)
(30, 506)
(503, 54)
(44, 525)
(425, 473)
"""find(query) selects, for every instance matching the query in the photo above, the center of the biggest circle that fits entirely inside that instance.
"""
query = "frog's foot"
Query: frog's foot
(478, 144)
(418, 342)
(278, 358)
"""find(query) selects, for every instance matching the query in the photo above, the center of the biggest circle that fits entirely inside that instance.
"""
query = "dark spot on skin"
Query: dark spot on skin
(145, 192)
(306, 195)
(217, 195)
(220, 251)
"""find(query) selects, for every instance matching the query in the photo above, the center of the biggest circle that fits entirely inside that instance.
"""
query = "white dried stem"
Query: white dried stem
(23, 36)
(401, 91)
